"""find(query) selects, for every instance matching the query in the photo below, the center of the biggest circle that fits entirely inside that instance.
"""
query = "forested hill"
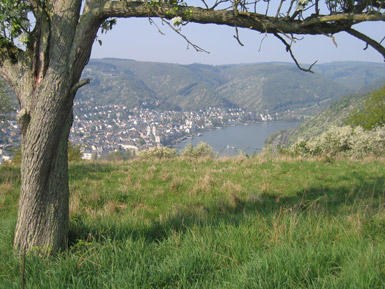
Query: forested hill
(335, 115)
(355, 75)
(256, 87)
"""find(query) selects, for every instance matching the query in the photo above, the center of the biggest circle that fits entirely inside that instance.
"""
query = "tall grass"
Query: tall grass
(205, 223)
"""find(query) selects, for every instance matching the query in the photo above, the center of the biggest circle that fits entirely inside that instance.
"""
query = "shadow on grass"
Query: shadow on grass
(90, 170)
(323, 200)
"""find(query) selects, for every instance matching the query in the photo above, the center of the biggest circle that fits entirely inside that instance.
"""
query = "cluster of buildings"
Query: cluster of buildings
(100, 130)
(103, 129)
(10, 139)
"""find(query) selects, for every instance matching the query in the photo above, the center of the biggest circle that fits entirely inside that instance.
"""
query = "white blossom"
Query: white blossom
(301, 4)
(345, 141)
(177, 20)
(23, 38)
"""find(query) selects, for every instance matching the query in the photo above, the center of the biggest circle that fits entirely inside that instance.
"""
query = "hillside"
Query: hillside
(334, 115)
(256, 87)
(355, 75)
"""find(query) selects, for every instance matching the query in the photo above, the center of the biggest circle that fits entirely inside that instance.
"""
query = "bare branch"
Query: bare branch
(333, 39)
(204, 2)
(260, 44)
(288, 49)
(217, 3)
(267, 7)
(369, 41)
(290, 7)
(196, 47)
(236, 36)
(292, 39)
(152, 22)
(279, 8)
(178, 31)
(316, 7)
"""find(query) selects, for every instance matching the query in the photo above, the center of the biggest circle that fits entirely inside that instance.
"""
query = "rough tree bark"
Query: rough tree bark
(46, 80)
(46, 76)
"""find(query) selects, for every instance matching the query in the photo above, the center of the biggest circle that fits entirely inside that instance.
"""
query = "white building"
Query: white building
(87, 156)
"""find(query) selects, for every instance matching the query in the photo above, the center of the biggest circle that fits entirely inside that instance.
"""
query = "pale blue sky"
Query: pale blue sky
(137, 39)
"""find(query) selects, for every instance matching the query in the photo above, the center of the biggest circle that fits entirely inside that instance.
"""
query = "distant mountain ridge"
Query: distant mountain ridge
(276, 87)
(352, 74)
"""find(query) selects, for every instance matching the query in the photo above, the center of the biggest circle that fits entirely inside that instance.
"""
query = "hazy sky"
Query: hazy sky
(137, 39)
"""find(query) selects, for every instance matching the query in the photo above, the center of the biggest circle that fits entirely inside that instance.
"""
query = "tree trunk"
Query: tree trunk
(51, 67)
(43, 216)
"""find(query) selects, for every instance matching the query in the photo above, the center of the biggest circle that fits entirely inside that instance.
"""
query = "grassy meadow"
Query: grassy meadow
(211, 223)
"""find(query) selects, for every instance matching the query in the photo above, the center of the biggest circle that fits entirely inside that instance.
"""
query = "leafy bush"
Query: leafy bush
(202, 149)
(74, 153)
(158, 153)
(345, 141)
(16, 160)
(119, 155)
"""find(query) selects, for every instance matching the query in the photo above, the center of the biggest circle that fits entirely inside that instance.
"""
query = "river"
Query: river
(233, 140)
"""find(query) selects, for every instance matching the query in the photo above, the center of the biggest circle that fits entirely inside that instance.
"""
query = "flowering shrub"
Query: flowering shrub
(157, 153)
(201, 150)
(345, 141)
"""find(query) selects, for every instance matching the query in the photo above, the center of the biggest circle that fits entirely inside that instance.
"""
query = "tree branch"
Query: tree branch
(288, 49)
(316, 25)
(376, 45)
(341, 18)
(79, 85)
(176, 30)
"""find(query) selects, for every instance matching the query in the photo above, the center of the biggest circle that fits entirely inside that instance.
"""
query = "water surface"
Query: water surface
(233, 140)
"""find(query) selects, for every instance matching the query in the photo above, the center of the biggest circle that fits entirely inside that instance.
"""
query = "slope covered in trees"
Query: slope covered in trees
(349, 110)
(273, 86)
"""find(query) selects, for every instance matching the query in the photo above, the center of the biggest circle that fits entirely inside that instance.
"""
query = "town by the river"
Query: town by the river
(100, 130)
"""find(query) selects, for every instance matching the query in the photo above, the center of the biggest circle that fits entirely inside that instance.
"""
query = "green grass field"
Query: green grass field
(227, 223)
